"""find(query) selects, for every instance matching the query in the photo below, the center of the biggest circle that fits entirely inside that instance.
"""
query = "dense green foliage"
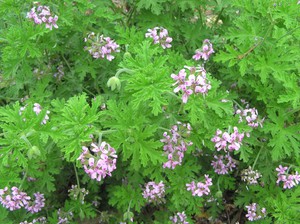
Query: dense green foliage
(256, 59)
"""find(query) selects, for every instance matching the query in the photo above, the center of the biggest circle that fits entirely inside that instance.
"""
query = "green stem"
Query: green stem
(23, 137)
(291, 31)
(85, 89)
(105, 132)
(129, 71)
(256, 158)
(25, 175)
(163, 128)
(100, 139)
(229, 129)
(238, 104)
(172, 94)
(180, 108)
(68, 65)
(218, 17)
(76, 174)
(128, 209)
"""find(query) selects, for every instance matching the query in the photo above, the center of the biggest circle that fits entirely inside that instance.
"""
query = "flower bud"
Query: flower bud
(33, 152)
(114, 83)
(219, 194)
(126, 55)
(128, 216)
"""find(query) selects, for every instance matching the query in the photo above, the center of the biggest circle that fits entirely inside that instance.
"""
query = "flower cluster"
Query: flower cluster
(160, 36)
(222, 164)
(195, 83)
(64, 217)
(254, 212)
(101, 162)
(37, 109)
(251, 116)
(76, 192)
(179, 217)
(224, 141)
(250, 176)
(16, 199)
(39, 220)
(205, 52)
(42, 14)
(199, 189)
(175, 145)
(36, 205)
(289, 180)
(100, 46)
(154, 192)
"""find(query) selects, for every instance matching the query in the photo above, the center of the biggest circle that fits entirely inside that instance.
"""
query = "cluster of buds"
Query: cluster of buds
(75, 192)
(199, 189)
(222, 165)
(251, 116)
(39, 220)
(289, 180)
(60, 72)
(37, 109)
(15, 199)
(179, 218)
(101, 162)
(42, 14)
(154, 192)
(254, 212)
(205, 52)
(250, 176)
(175, 145)
(224, 141)
(100, 46)
(64, 217)
(160, 36)
(195, 83)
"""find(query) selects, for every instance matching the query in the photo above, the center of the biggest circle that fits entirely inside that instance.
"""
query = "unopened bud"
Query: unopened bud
(219, 194)
(114, 83)
(33, 152)
(126, 55)
(128, 216)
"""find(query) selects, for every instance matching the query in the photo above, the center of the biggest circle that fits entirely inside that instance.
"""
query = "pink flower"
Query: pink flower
(232, 141)
(254, 212)
(194, 84)
(160, 36)
(100, 163)
(289, 180)
(222, 165)
(179, 218)
(205, 52)
(43, 15)
(100, 46)
(175, 145)
(154, 192)
(201, 188)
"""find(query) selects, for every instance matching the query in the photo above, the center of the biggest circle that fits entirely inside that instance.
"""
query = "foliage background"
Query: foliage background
(256, 59)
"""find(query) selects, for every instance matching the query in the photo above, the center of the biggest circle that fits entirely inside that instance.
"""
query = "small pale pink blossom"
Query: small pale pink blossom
(205, 52)
(254, 212)
(101, 162)
(194, 84)
(100, 46)
(42, 14)
(160, 36)
(201, 188)
(154, 192)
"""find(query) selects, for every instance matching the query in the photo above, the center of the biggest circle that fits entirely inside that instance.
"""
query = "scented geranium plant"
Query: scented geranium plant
(139, 111)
